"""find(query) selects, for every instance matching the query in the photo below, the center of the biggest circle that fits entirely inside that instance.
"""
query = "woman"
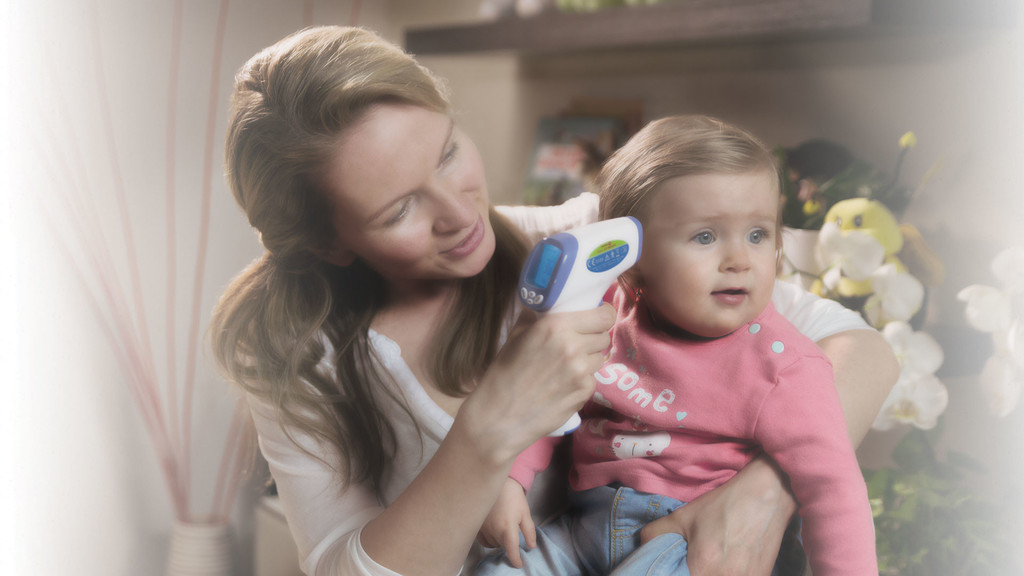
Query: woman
(375, 338)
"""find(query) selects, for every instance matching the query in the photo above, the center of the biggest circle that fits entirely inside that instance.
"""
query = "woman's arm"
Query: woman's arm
(865, 371)
(431, 526)
(542, 374)
(738, 527)
(344, 531)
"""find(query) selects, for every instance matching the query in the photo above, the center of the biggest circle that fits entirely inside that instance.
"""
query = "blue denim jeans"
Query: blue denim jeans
(600, 535)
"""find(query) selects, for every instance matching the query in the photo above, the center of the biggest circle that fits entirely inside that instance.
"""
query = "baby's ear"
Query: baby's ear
(632, 278)
(632, 282)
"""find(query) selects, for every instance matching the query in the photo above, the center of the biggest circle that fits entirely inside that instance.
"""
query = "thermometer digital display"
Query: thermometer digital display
(549, 256)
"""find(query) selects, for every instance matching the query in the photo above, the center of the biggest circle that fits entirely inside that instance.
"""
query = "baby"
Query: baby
(702, 376)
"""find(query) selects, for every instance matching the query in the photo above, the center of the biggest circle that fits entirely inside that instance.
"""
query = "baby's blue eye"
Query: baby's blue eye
(704, 238)
(757, 236)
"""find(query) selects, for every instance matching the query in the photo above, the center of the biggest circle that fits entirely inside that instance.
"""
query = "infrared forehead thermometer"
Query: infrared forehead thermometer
(572, 270)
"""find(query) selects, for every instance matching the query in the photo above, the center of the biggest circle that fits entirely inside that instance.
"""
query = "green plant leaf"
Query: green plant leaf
(965, 461)
(914, 452)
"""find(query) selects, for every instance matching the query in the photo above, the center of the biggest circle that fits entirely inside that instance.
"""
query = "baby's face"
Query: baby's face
(709, 255)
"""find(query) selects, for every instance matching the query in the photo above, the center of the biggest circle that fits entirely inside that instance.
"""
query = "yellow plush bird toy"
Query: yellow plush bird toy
(870, 217)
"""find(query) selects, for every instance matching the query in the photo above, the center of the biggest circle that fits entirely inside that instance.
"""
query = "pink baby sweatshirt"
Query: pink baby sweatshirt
(679, 416)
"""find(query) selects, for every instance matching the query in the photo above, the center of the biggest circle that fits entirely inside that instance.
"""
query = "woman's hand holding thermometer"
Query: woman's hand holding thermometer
(572, 271)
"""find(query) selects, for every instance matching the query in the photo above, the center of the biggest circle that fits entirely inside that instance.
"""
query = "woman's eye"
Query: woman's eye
(449, 155)
(403, 209)
(704, 238)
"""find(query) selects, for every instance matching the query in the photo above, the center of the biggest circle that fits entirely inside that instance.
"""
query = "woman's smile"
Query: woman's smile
(470, 243)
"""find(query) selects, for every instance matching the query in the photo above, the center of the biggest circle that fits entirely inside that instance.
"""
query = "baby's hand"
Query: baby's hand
(510, 514)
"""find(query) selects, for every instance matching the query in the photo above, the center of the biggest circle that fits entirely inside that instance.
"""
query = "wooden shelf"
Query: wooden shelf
(696, 22)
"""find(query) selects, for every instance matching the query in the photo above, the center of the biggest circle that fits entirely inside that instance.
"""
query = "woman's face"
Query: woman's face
(409, 198)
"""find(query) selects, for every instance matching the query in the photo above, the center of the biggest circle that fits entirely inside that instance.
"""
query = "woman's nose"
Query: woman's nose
(453, 210)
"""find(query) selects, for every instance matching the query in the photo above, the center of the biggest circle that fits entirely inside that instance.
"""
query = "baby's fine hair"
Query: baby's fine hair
(671, 147)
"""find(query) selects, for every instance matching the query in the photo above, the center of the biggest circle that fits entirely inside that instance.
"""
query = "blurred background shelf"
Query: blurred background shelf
(706, 22)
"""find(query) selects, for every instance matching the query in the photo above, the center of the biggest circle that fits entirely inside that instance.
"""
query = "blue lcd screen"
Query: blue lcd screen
(546, 265)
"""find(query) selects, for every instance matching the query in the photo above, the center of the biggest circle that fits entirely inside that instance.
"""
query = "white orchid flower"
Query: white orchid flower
(988, 309)
(916, 399)
(1014, 343)
(1001, 381)
(1008, 267)
(917, 352)
(855, 254)
(897, 296)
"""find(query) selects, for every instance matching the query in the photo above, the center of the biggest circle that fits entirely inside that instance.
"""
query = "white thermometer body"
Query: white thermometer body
(573, 270)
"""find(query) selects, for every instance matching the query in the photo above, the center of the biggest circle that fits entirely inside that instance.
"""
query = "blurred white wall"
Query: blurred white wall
(81, 491)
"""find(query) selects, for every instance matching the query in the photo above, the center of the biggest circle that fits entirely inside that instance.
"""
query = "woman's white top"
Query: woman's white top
(327, 519)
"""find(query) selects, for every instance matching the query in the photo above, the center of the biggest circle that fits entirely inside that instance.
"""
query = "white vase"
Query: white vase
(200, 549)
(801, 260)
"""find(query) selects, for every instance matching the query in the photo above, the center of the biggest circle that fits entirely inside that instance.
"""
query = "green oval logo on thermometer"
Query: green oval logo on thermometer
(607, 255)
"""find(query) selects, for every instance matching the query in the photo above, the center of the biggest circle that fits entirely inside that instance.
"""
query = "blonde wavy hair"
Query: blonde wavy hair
(271, 328)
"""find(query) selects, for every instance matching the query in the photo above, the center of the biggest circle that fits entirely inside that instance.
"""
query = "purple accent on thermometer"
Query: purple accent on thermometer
(546, 271)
